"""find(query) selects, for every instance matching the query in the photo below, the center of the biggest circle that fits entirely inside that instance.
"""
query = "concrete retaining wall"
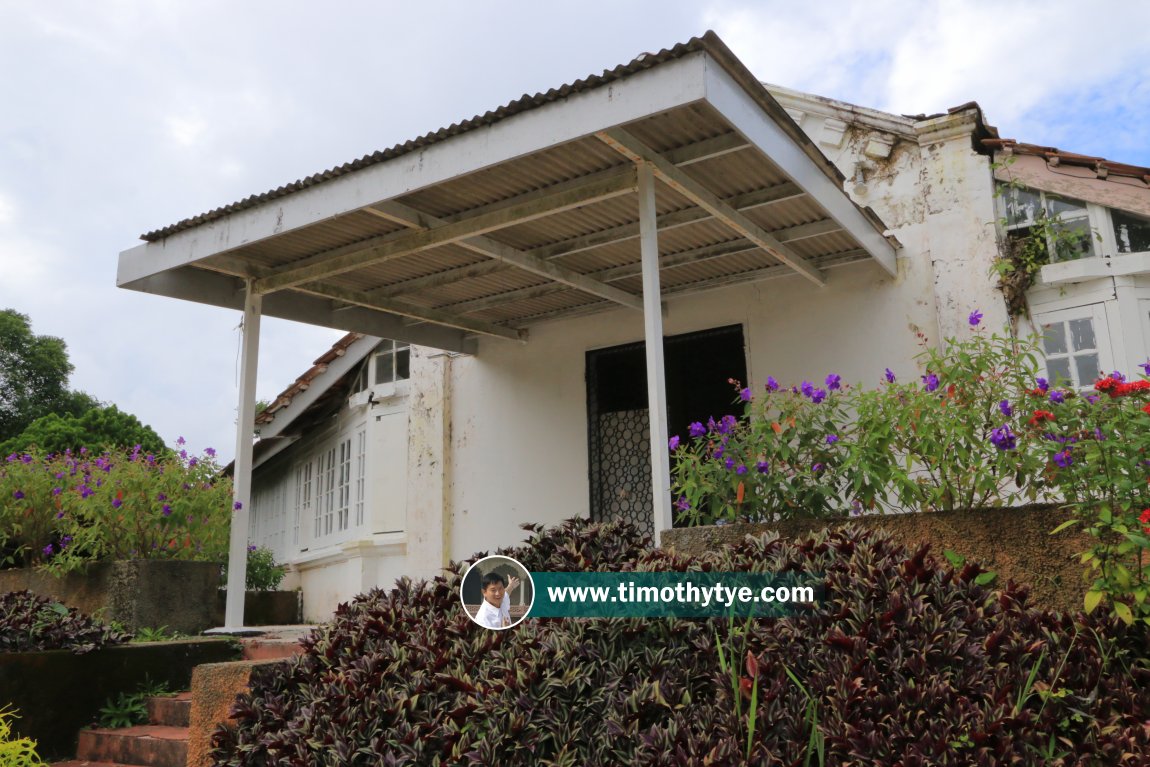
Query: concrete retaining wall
(1015, 543)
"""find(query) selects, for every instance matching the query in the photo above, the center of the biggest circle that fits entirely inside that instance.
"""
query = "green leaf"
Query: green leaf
(956, 560)
(1091, 601)
(1063, 526)
(987, 578)
(1122, 610)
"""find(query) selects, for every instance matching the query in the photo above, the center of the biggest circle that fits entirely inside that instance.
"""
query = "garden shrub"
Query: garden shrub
(905, 662)
(29, 622)
(62, 511)
(262, 573)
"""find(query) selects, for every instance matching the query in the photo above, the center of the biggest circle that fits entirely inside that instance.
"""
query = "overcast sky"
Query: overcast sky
(123, 116)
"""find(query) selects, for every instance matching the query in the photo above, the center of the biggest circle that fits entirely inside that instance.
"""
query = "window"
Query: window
(303, 497)
(1076, 345)
(1069, 236)
(1131, 232)
(325, 509)
(360, 472)
(344, 490)
(391, 362)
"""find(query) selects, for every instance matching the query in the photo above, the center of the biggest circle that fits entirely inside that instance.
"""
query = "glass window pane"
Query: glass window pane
(1058, 370)
(1066, 209)
(402, 364)
(1132, 232)
(1082, 334)
(1074, 240)
(1088, 371)
(1054, 338)
(384, 372)
(1022, 205)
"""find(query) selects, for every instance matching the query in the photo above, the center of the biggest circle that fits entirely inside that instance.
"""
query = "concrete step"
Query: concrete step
(263, 648)
(173, 711)
(149, 745)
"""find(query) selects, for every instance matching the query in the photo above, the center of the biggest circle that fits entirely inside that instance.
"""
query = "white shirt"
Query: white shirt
(494, 617)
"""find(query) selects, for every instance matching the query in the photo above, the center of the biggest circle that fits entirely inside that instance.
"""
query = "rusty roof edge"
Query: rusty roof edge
(522, 104)
(1070, 158)
(305, 380)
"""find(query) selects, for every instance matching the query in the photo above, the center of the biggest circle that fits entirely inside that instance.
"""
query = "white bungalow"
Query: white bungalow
(522, 263)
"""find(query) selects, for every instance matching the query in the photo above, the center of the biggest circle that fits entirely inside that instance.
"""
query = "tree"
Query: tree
(34, 374)
(100, 427)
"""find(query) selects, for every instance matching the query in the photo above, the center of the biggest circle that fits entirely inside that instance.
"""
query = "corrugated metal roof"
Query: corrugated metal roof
(521, 104)
(402, 260)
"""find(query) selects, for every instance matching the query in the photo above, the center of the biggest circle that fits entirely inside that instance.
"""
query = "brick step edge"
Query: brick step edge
(145, 746)
(171, 711)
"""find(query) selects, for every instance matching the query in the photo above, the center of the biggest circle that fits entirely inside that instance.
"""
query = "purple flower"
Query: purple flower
(772, 384)
(807, 388)
(18, 495)
(672, 444)
(745, 394)
(1092, 399)
(889, 376)
(817, 468)
(729, 463)
(237, 505)
(683, 504)
(47, 550)
(57, 490)
(1098, 435)
(192, 462)
(86, 492)
(59, 515)
(832, 438)
(740, 469)
(763, 467)
(181, 441)
(161, 497)
(718, 452)
(930, 381)
(696, 429)
(818, 396)
(1063, 458)
(25, 459)
(856, 508)
(210, 452)
(1145, 367)
(974, 318)
(252, 547)
(1005, 409)
(1118, 376)
(1057, 397)
(11, 458)
(184, 454)
(728, 423)
(1003, 438)
(117, 503)
(833, 382)
(167, 510)
(1042, 384)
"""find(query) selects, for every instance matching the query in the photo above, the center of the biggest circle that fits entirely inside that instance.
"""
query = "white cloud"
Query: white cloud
(7, 211)
(186, 130)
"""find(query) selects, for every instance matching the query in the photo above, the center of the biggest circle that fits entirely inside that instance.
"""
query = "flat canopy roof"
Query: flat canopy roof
(530, 213)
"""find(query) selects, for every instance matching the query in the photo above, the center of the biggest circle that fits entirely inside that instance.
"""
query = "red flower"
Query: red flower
(1040, 416)
(1145, 520)
(1105, 384)
(1146, 408)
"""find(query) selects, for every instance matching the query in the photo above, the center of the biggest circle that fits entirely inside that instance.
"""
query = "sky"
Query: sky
(124, 116)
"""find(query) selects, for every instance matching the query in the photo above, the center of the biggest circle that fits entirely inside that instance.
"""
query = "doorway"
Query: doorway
(698, 366)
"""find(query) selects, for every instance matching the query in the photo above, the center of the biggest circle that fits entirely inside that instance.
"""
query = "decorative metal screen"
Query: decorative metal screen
(624, 468)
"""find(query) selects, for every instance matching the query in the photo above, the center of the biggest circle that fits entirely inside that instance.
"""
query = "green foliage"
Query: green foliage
(16, 752)
(148, 634)
(29, 622)
(64, 511)
(936, 432)
(263, 574)
(905, 662)
(129, 709)
(97, 428)
(34, 374)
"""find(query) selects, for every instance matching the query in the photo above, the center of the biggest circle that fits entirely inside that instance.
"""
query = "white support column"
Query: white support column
(245, 428)
(653, 336)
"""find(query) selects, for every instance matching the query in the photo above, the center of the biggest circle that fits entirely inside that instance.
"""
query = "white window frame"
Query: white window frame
(1103, 343)
(1097, 218)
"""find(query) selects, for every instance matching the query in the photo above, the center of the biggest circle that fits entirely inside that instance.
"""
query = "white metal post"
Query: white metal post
(653, 336)
(245, 428)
